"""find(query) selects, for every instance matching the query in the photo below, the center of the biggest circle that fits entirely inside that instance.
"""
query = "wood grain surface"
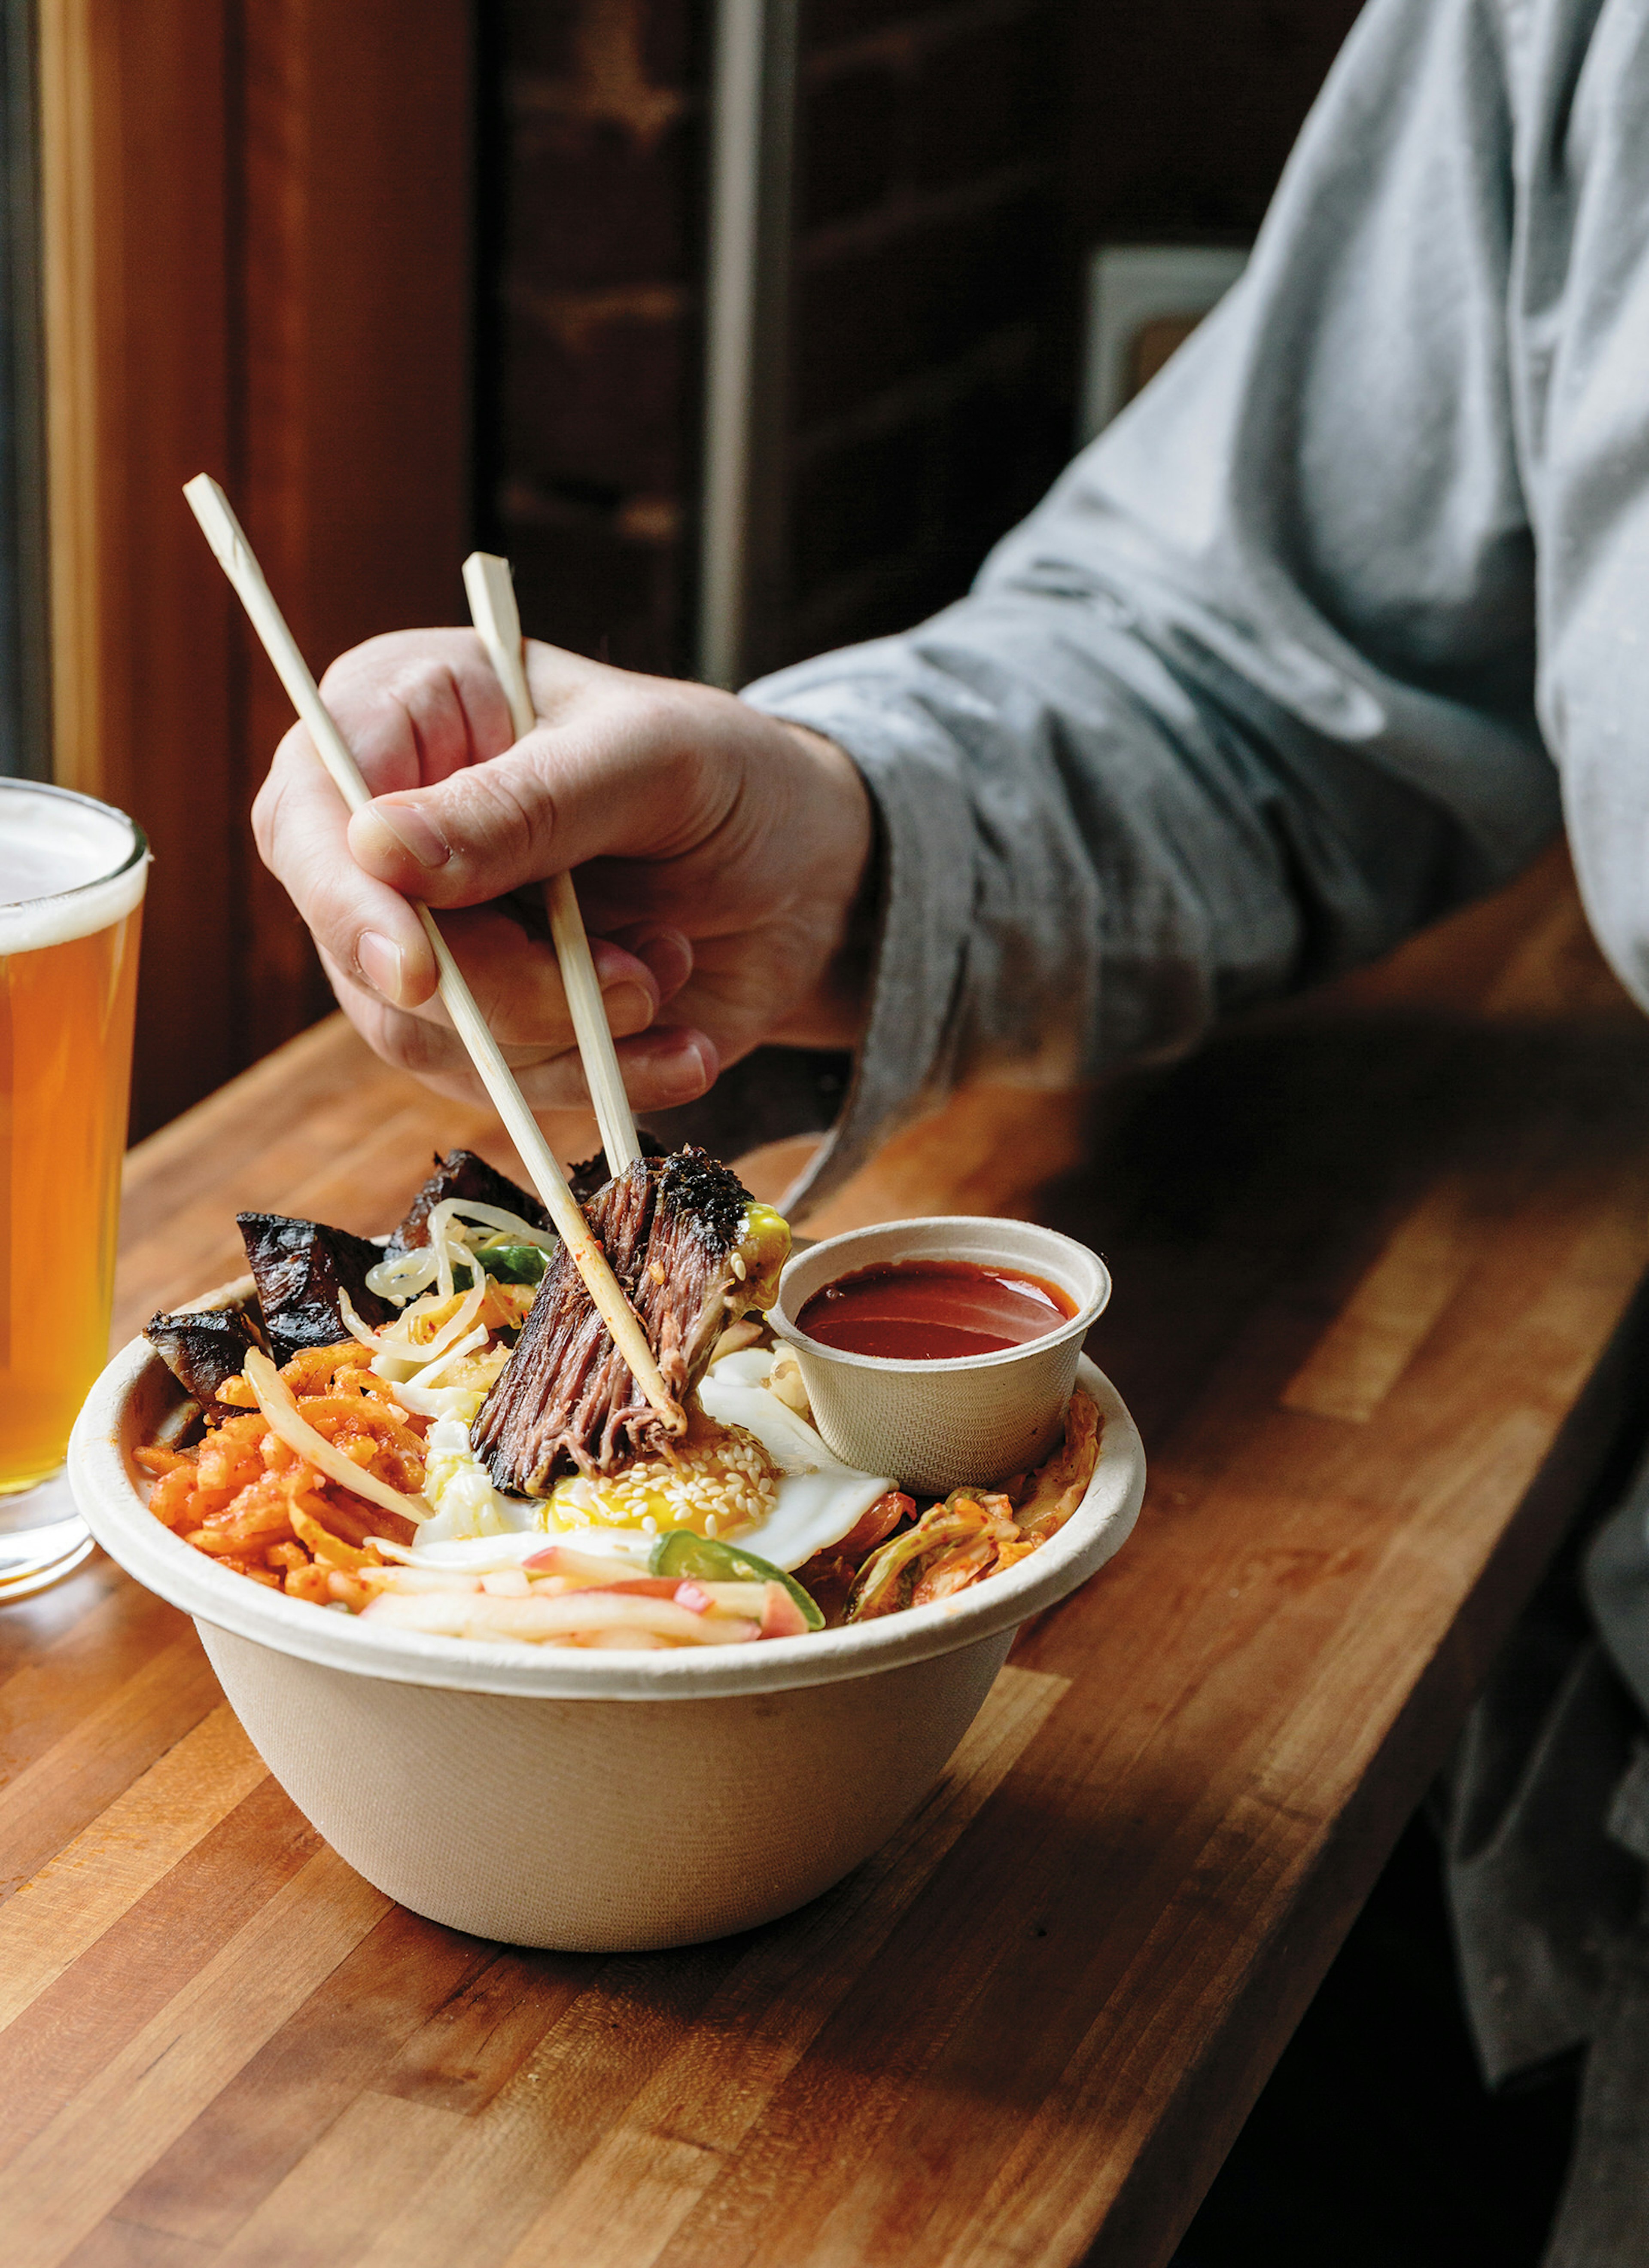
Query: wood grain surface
(1375, 1261)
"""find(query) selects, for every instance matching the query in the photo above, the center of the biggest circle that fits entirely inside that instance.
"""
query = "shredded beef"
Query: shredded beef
(670, 1227)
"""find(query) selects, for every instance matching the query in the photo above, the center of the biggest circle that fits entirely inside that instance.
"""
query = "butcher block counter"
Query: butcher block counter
(1375, 1261)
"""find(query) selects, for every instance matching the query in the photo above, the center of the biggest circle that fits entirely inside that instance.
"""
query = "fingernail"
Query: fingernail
(381, 963)
(668, 953)
(406, 828)
(688, 1073)
(627, 1007)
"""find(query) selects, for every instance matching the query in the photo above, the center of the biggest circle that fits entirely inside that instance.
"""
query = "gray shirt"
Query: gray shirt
(1309, 646)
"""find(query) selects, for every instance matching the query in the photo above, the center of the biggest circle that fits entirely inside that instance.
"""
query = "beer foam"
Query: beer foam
(67, 867)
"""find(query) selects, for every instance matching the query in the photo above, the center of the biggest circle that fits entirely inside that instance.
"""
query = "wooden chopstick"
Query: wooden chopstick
(492, 608)
(224, 532)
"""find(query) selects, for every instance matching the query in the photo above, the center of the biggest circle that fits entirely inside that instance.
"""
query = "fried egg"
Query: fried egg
(775, 1487)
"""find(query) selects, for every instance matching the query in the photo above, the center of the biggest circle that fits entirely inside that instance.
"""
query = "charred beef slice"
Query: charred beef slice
(670, 1227)
(588, 1180)
(300, 1267)
(202, 1350)
(461, 1173)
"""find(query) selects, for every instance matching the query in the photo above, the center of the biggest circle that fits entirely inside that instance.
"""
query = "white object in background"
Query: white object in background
(1128, 286)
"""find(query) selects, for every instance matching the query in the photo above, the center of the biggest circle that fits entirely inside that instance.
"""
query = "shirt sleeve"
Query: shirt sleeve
(1252, 694)
(1580, 295)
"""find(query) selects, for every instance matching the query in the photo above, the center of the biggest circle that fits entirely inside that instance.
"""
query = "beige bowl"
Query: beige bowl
(593, 1801)
(974, 1417)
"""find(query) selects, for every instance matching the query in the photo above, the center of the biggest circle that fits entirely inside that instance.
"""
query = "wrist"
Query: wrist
(847, 861)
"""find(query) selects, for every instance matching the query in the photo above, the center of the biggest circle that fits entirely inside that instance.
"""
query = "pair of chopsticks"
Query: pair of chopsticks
(491, 593)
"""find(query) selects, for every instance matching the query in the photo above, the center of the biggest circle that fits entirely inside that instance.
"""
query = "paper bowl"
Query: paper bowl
(972, 1419)
(590, 1801)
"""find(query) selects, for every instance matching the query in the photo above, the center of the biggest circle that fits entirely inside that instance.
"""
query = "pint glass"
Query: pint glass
(71, 887)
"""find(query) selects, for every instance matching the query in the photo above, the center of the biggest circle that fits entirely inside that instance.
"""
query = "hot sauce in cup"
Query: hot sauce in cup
(933, 1310)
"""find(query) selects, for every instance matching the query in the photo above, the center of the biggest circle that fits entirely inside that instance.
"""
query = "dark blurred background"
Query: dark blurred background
(955, 163)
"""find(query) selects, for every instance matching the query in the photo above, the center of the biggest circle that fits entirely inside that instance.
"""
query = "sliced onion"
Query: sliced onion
(395, 1551)
(478, 1614)
(404, 1276)
(279, 1405)
(441, 1400)
(492, 1216)
(365, 1332)
(488, 1555)
(452, 1329)
(410, 1272)
(419, 1354)
(467, 1345)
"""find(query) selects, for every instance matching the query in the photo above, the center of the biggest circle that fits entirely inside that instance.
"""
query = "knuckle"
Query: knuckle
(266, 810)
(413, 1043)
(422, 679)
(280, 845)
(523, 803)
(376, 659)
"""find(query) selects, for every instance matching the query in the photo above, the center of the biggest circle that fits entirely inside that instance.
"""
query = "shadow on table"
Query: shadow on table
(1283, 1152)
(1374, 2144)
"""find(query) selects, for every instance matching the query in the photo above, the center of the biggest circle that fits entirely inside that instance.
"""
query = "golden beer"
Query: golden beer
(71, 885)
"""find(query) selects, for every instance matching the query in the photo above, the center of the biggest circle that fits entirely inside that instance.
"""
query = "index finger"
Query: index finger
(415, 707)
(301, 824)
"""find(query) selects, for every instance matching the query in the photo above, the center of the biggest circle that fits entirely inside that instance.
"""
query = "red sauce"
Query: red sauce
(931, 1310)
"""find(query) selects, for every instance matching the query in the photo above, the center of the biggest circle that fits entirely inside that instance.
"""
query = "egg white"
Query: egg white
(820, 1498)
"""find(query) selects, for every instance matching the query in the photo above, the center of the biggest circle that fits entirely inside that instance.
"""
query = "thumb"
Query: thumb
(604, 787)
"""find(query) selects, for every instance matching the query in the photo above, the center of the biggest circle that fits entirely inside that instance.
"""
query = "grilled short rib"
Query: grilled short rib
(588, 1180)
(671, 1228)
(461, 1173)
(202, 1347)
(300, 1267)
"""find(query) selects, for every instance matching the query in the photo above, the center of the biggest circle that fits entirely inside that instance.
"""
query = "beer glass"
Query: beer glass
(71, 887)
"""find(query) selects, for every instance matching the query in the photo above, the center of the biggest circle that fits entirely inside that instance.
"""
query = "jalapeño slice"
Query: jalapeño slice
(705, 1559)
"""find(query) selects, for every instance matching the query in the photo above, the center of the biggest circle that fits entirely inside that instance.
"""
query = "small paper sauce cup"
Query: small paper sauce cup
(939, 1425)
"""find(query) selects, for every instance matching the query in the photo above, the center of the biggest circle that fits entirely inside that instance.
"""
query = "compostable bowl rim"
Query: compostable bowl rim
(108, 1492)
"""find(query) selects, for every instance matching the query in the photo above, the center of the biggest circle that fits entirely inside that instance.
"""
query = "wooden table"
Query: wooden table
(1368, 1256)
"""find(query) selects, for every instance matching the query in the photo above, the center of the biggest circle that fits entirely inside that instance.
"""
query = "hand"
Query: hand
(722, 857)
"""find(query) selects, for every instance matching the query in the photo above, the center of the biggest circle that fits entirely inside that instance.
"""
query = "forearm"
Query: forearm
(1250, 696)
(835, 1012)
(1087, 858)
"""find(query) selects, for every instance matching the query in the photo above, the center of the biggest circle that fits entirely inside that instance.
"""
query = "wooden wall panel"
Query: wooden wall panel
(356, 320)
(257, 223)
(138, 399)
